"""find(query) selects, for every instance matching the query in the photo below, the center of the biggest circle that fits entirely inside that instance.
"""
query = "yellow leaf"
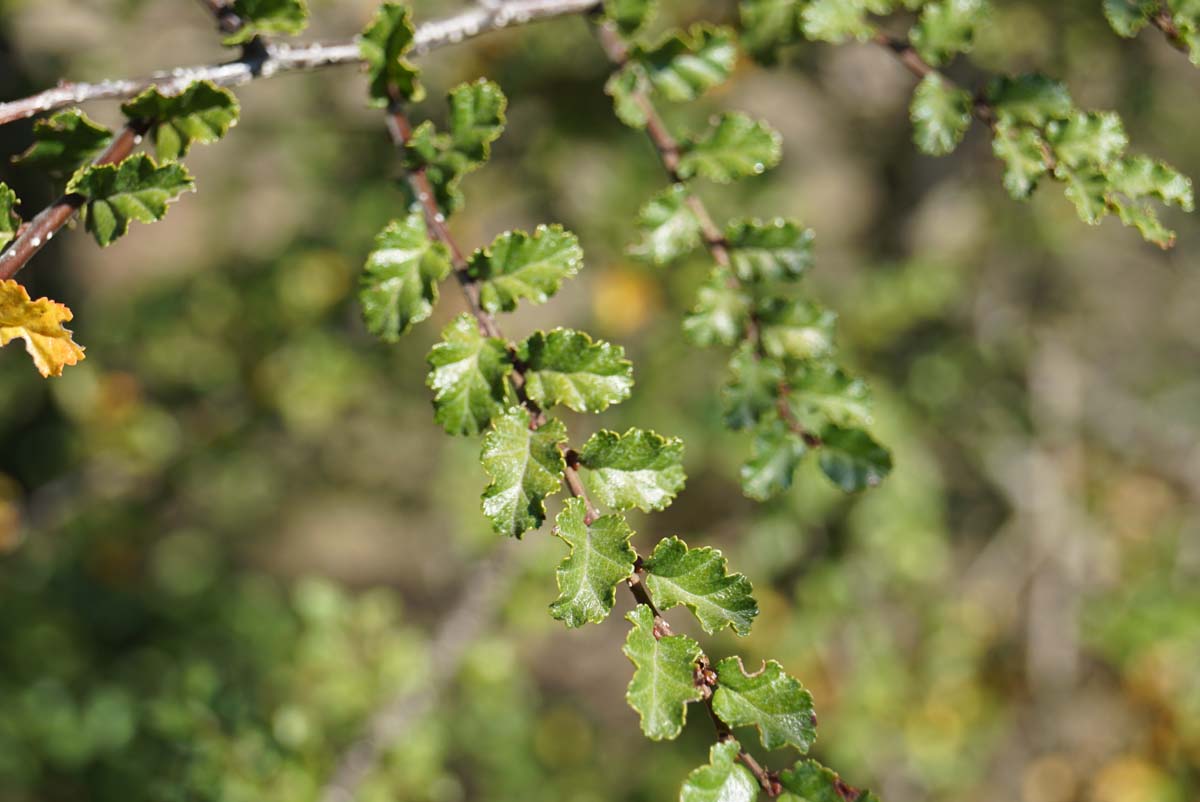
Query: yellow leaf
(40, 322)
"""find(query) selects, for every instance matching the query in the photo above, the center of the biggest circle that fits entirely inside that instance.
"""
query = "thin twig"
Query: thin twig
(1165, 22)
(277, 59)
(228, 22)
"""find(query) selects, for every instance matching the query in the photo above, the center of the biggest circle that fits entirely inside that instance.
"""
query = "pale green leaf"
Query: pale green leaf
(771, 250)
(567, 367)
(724, 779)
(699, 580)
(941, 115)
(630, 16)
(1024, 154)
(1141, 177)
(1030, 99)
(663, 678)
(63, 142)
(768, 25)
(525, 466)
(202, 113)
(770, 699)
(637, 469)
(477, 117)
(467, 373)
(383, 43)
(1087, 188)
(809, 781)
(400, 281)
(669, 227)
(775, 454)
(852, 460)
(268, 18)
(600, 559)
(836, 20)
(9, 220)
(720, 314)
(735, 146)
(625, 87)
(683, 66)
(947, 28)
(135, 189)
(796, 329)
(1095, 138)
(518, 265)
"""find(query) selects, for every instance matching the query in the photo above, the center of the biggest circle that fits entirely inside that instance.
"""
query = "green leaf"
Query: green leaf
(770, 699)
(630, 16)
(135, 189)
(669, 227)
(1030, 99)
(383, 44)
(639, 469)
(476, 119)
(768, 25)
(1023, 152)
(518, 265)
(63, 142)
(525, 466)
(1144, 218)
(735, 146)
(663, 679)
(1095, 138)
(429, 150)
(1127, 17)
(467, 375)
(796, 329)
(775, 454)
(752, 389)
(722, 780)
(773, 250)
(852, 460)
(201, 113)
(699, 580)
(1140, 177)
(720, 314)
(567, 367)
(809, 781)
(600, 558)
(9, 221)
(683, 66)
(821, 393)
(947, 28)
(941, 115)
(624, 87)
(399, 283)
(267, 18)
(1087, 188)
(836, 21)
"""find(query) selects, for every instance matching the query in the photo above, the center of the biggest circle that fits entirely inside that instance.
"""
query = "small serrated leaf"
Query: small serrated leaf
(567, 367)
(467, 373)
(400, 280)
(724, 779)
(519, 265)
(720, 314)
(947, 28)
(699, 580)
(835, 21)
(639, 469)
(772, 250)
(268, 18)
(941, 115)
(684, 65)
(1087, 188)
(201, 113)
(775, 454)
(752, 389)
(9, 221)
(768, 25)
(477, 118)
(1031, 99)
(852, 459)
(663, 677)
(1141, 177)
(796, 329)
(1023, 152)
(600, 558)
(63, 142)
(770, 699)
(630, 16)
(624, 86)
(1127, 17)
(135, 189)
(821, 393)
(1095, 138)
(669, 227)
(809, 781)
(383, 44)
(39, 323)
(525, 466)
(734, 146)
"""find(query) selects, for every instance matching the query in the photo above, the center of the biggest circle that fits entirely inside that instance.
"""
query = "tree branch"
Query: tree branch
(277, 59)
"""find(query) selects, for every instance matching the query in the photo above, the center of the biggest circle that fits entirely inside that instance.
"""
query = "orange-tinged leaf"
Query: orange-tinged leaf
(40, 323)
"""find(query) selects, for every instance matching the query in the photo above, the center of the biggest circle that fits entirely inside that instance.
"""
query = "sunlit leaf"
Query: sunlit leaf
(947, 28)
(519, 265)
(809, 781)
(796, 329)
(735, 146)
(663, 679)
(268, 18)
(724, 779)
(720, 314)
(668, 225)
(567, 367)
(639, 469)
(852, 459)
(383, 44)
(40, 324)
(201, 113)
(771, 250)
(769, 699)
(699, 579)
(525, 466)
(400, 280)
(467, 375)
(135, 189)
(65, 141)
(600, 559)
(941, 115)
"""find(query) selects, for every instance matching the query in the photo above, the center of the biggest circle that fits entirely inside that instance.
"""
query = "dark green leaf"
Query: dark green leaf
(383, 44)
(821, 393)
(518, 265)
(663, 679)
(600, 558)
(9, 221)
(201, 113)
(64, 142)
(525, 466)
(699, 580)
(683, 66)
(637, 469)
(399, 283)
(720, 314)
(467, 375)
(768, 25)
(941, 115)
(567, 367)
(724, 779)
(135, 189)
(268, 18)
(735, 146)
(770, 699)
(773, 250)
(1127, 17)
(774, 456)
(669, 227)
(809, 781)
(852, 460)
(630, 16)
(752, 389)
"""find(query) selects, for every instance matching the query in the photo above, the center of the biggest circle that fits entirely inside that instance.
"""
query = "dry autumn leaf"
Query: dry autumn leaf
(40, 322)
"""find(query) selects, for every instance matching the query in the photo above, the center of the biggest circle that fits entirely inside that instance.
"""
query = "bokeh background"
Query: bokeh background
(228, 537)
